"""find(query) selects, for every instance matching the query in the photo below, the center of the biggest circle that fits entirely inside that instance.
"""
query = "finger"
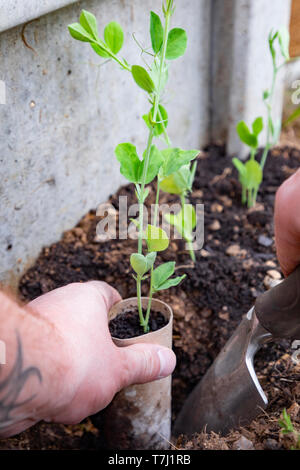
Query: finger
(143, 363)
(287, 224)
(109, 294)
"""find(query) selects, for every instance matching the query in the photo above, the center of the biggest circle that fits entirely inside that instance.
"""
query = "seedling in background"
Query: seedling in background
(174, 163)
(287, 428)
(250, 175)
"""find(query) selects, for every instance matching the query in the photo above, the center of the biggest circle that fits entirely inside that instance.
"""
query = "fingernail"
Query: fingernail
(167, 362)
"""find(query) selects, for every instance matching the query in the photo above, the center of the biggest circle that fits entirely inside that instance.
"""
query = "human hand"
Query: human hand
(66, 340)
(287, 224)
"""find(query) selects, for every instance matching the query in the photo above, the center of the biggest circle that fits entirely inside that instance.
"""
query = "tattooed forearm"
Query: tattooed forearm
(11, 387)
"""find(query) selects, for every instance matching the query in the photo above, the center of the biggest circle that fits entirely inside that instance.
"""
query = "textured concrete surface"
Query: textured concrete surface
(15, 12)
(241, 64)
(64, 114)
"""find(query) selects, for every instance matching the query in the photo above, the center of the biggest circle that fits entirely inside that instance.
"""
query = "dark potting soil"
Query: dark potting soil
(127, 324)
(237, 260)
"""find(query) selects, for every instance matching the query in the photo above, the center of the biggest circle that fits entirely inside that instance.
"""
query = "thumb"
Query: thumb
(146, 362)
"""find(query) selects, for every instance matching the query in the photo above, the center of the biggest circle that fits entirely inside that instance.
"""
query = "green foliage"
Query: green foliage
(287, 428)
(177, 43)
(285, 423)
(176, 158)
(141, 264)
(184, 222)
(250, 177)
(179, 182)
(157, 125)
(88, 21)
(162, 274)
(251, 173)
(156, 32)
(114, 36)
(172, 166)
(79, 33)
(293, 116)
(155, 162)
(284, 42)
(130, 163)
(247, 137)
(156, 238)
(87, 31)
(133, 168)
(142, 78)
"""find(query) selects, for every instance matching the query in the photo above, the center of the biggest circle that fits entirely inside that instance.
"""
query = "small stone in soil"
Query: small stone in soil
(127, 324)
(265, 241)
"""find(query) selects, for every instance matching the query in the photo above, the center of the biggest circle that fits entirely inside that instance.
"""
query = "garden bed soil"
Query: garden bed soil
(235, 265)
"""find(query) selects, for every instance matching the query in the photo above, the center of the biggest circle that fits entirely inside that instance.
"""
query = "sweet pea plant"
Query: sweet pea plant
(251, 172)
(171, 167)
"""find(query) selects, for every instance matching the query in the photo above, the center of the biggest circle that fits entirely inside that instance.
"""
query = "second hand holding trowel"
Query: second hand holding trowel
(230, 395)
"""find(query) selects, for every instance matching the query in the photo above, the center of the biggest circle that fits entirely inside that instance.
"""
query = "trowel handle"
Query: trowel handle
(278, 309)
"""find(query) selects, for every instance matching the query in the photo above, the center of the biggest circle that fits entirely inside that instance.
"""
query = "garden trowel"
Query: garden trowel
(230, 395)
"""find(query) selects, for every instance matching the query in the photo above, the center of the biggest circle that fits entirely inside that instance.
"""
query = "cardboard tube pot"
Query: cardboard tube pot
(139, 417)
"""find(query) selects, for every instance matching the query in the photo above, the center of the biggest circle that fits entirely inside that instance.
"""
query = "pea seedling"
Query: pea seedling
(162, 165)
(251, 172)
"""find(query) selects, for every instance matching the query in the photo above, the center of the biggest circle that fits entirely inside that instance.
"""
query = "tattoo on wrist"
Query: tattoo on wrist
(12, 386)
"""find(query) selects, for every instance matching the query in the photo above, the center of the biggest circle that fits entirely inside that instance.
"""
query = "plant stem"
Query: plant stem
(141, 198)
(139, 297)
(156, 113)
(168, 141)
(244, 194)
(190, 245)
(269, 117)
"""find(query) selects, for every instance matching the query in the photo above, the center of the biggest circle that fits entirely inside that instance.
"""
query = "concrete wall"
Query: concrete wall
(242, 66)
(64, 114)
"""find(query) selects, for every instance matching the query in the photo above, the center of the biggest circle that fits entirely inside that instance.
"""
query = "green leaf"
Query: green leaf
(184, 222)
(284, 42)
(254, 174)
(245, 135)
(138, 263)
(130, 163)
(178, 182)
(156, 74)
(266, 95)
(150, 258)
(292, 117)
(142, 78)
(114, 36)
(176, 45)
(141, 264)
(171, 283)
(258, 126)
(155, 162)
(162, 273)
(156, 32)
(271, 39)
(89, 23)
(158, 127)
(79, 33)
(100, 50)
(175, 158)
(156, 238)
(240, 166)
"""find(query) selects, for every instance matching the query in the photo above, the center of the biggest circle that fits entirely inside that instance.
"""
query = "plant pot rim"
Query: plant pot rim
(167, 311)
